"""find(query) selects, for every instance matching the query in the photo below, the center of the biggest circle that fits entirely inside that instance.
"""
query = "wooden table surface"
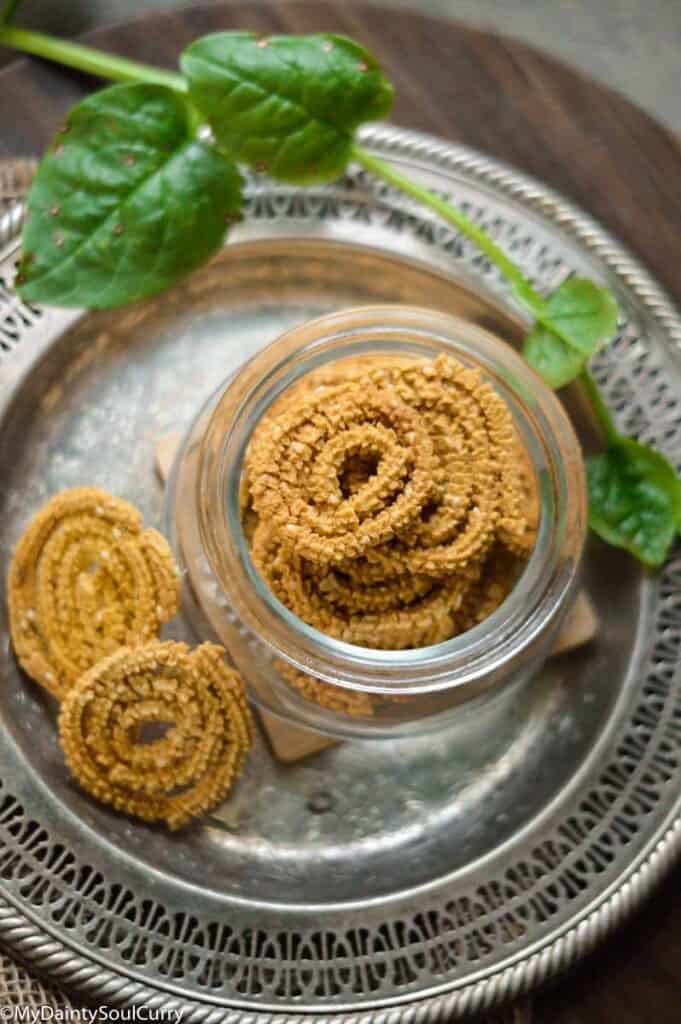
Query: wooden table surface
(507, 100)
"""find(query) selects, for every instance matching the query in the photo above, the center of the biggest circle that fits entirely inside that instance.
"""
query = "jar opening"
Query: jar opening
(460, 643)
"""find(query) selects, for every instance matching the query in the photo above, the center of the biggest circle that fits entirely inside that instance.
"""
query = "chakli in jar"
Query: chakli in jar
(381, 517)
(390, 504)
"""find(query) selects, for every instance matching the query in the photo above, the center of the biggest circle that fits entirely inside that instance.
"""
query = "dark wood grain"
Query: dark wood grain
(584, 140)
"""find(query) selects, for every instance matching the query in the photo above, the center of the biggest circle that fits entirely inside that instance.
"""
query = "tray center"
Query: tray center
(360, 820)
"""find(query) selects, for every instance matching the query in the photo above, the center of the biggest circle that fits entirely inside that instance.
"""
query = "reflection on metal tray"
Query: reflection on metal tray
(433, 871)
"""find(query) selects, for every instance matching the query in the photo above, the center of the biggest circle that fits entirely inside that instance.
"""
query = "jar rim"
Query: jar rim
(470, 660)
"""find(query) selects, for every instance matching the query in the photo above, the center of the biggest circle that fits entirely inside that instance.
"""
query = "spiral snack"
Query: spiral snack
(491, 589)
(389, 497)
(399, 624)
(476, 482)
(194, 695)
(519, 534)
(335, 698)
(296, 470)
(84, 580)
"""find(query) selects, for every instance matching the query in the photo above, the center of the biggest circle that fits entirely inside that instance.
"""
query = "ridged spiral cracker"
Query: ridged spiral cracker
(191, 694)
(85, 579)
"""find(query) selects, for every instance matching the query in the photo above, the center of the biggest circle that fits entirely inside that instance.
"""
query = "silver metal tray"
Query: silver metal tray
(428, 875)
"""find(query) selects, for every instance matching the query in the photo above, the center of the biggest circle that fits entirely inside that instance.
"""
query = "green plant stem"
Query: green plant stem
(599, 407)
(85, 58)
(522, 286)
(523, 289)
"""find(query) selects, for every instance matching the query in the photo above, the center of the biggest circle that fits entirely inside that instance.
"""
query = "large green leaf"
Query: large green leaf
(286, 104)
(124, 202)
(634, 499)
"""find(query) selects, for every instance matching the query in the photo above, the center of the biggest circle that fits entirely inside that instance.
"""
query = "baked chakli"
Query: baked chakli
(152, 728)
(383, 493)
(388, 503)
(86, 579)
(191, 697)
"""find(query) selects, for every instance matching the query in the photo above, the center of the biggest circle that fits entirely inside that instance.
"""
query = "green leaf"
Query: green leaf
(576, 319)
(288, 105)
(634, 499)
(581, 313)
(554, 360)
(125, 202)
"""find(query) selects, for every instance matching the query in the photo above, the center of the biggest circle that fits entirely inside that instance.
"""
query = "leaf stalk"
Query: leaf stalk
(88, 59)
(599, 407)
(458, 219)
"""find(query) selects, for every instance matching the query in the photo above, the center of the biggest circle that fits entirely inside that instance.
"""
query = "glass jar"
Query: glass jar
(472, 677)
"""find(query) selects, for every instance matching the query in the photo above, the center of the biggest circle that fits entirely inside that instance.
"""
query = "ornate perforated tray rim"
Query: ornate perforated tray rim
(570, 940)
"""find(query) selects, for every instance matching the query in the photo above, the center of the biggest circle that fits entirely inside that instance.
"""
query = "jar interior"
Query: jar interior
(354, 468)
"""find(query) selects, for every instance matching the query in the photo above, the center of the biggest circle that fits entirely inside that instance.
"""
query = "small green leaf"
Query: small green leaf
(576, 319)
(554, 360)
(124, 203)
(581, 313)
(288, 105)
(634, 499)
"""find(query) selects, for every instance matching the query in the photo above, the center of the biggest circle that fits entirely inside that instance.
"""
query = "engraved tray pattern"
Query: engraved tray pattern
(92, 918)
